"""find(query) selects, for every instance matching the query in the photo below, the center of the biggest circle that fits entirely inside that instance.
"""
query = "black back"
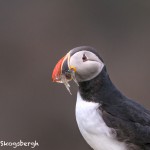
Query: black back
(129, 120)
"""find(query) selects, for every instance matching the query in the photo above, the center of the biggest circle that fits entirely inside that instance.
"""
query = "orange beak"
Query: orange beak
(61, 66)
(57, 71)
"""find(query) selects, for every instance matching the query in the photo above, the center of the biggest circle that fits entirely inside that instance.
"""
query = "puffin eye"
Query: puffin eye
(84, 58)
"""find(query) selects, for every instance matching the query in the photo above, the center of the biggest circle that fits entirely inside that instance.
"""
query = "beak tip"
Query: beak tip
(54, 78)
(57, 70)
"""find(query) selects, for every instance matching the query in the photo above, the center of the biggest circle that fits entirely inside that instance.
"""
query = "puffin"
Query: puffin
(107, 119)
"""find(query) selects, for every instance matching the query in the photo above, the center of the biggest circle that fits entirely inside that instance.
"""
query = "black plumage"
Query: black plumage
(129, 120)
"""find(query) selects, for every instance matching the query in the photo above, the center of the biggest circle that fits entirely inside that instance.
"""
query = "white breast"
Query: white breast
(93, 128)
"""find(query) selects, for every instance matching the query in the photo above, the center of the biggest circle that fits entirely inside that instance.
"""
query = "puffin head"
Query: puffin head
(81, 64)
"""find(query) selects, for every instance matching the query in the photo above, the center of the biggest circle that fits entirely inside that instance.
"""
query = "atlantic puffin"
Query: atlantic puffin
(107, 119)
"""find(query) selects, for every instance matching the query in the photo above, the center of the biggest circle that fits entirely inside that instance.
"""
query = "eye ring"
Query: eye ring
(84, 58)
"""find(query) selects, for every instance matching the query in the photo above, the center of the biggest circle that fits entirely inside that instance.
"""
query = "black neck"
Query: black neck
(100, 89)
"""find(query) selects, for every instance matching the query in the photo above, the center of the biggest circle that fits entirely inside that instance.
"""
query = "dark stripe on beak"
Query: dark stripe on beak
(65, 65)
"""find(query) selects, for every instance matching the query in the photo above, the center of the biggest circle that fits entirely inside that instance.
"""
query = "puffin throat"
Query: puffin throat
(97, 89)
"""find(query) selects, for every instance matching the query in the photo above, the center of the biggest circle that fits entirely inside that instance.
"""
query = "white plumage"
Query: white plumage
(93, 128)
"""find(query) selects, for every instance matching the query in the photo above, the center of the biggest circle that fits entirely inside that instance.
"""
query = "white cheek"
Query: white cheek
(90, 70)
(86, 70)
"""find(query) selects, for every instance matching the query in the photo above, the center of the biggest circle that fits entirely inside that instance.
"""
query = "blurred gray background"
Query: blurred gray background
(35, 34)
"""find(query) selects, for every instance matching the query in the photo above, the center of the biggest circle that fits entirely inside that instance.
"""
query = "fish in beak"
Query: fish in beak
(63, 72)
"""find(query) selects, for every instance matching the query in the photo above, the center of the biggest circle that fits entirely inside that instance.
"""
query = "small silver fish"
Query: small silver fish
(65, 78)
